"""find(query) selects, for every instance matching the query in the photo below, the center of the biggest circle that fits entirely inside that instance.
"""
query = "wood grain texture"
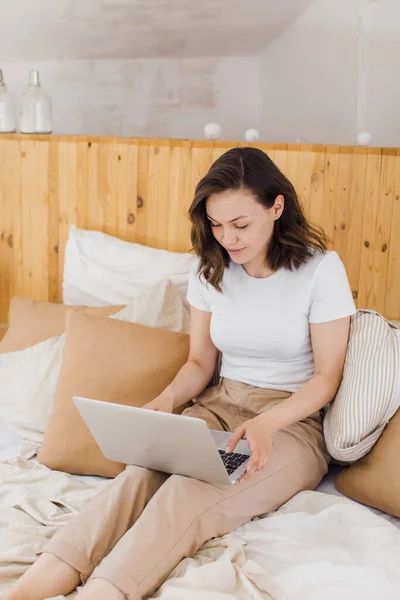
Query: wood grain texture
(348, 211)
(322, 211)
(392, 300)
(140, 190)
(35, 167)
(10, 216)
(376, 228)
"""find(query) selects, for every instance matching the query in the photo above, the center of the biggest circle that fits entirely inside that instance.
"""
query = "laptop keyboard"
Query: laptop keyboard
(232, 460)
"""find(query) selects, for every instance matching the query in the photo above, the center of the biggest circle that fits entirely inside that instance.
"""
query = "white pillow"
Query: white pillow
(28, 378)
(369, 392)
(100, 269)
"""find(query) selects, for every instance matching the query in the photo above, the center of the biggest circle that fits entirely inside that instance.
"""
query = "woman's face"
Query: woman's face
(242, 225)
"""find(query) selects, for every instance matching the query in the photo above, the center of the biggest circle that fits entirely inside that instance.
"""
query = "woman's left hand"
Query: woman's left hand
(259, 436)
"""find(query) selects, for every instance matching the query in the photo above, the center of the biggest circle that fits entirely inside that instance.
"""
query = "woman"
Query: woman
(268, 295)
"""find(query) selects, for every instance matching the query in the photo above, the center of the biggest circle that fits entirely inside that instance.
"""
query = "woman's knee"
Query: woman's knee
(134, 476)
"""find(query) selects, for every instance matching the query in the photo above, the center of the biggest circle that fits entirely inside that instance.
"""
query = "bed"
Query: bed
(319, 544)
(317, 541)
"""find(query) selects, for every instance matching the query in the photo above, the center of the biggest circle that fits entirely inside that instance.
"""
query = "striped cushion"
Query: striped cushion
(367, 397)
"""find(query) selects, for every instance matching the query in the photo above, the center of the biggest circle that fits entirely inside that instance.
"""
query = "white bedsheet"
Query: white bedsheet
(317, 545)
(9, 443)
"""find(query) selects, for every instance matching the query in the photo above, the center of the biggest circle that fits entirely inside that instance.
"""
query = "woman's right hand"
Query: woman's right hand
(161, 403)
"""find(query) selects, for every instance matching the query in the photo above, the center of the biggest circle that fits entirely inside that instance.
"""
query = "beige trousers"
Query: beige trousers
(144, 522)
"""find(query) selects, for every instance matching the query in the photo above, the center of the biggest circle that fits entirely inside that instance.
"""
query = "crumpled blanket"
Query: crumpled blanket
(316, 546)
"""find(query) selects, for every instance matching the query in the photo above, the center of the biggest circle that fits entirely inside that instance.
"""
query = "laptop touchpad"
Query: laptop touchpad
(221, 438)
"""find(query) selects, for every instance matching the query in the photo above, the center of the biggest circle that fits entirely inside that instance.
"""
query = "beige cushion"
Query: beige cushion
(367, 397)
(375, 479)
(108, 360)
(31, 322)
(28, 378)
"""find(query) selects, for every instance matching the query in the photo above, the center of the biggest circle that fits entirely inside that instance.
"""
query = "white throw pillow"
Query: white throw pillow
(369, 392)
(28, 378)
(100, 269)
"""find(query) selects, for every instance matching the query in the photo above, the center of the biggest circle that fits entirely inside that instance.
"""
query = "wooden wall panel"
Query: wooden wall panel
(126, 191)
(309, 182)
(393, 280)
(94, 200)
(53, 227)
(323, 203)
(67, 156)
(278, 154)
(203, 155)
(158, 195)
(315, 183)
(140, 190)
(142, 187)
(349, 199)
(178, 230)
(35, 218)
(294, 162)
(377, 217)
(10, 226)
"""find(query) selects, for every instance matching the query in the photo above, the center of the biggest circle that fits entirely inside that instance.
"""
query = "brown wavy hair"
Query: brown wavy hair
(294, 240)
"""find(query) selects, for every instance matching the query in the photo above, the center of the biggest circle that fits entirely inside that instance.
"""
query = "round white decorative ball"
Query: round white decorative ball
(252, 135)
(212, 131)
(364, 138)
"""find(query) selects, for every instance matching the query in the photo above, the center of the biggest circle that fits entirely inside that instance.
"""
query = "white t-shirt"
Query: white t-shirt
(261, 325)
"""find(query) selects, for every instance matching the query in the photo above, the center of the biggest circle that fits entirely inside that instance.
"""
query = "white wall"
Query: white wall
(383, 104)
(326, 78)
(172, 98)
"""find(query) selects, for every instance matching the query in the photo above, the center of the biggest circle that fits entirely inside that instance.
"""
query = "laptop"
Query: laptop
(171, 443)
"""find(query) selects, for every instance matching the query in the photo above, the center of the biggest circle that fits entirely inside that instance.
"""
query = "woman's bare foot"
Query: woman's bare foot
(47, 577)
(100, 589)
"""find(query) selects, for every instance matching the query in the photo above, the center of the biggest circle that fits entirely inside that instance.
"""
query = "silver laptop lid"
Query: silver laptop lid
(155, 440)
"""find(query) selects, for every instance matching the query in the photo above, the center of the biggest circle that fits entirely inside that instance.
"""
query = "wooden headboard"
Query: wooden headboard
(140, 190)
